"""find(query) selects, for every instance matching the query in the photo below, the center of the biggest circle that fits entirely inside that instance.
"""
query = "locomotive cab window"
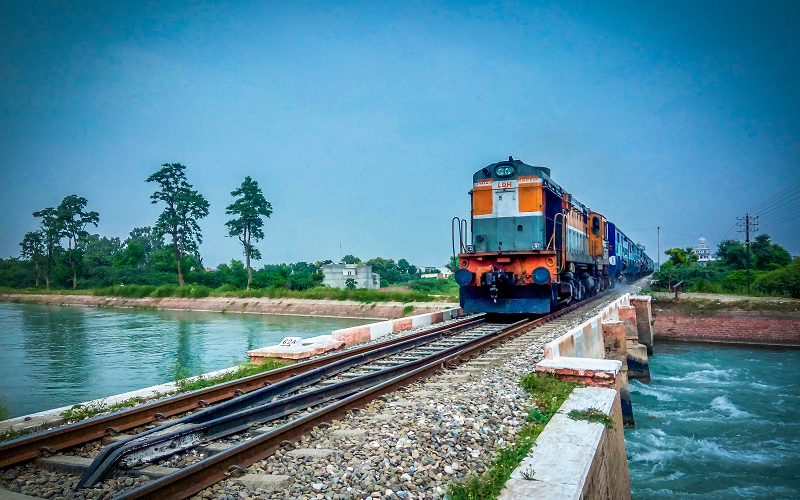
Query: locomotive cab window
(595, 225)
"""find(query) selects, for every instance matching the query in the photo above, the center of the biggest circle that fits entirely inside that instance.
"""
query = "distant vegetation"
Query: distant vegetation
(164, 260)
(772, 270)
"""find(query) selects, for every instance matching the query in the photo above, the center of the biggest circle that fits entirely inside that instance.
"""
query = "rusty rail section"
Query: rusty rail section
(30, 447)
(195, 478)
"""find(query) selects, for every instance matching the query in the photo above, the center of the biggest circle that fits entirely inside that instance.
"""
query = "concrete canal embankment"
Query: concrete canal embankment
(283, 306)
(579, 459)
(727, 319)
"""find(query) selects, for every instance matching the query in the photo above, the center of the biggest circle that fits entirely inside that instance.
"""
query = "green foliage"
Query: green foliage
(436, 286)
(549, 394)
(184, 207)
(249, 208)
(351, 259)
(243, 370)
(406, 311)
(350, 284)
(73, 220)
(681, 256)
(453, 264)
(165, 291)
(592, 415)
(784, 281)
(82, 412)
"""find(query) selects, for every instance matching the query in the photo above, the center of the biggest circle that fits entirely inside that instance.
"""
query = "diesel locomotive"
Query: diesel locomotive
(532, 246)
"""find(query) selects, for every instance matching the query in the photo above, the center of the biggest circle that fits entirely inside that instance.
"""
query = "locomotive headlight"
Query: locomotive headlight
(504, 170)
(541, 276)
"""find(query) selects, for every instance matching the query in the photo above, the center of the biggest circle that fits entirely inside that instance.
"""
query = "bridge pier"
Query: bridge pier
(616, 348)
(638, 367)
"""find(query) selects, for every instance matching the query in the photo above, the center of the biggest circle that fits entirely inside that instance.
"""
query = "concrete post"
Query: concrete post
(616, 347)
(638, 366)
(644, 320)
(627, 314)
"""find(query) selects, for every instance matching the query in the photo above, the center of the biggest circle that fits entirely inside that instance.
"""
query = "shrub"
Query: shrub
(785, 281)
(192, 291)
(164, 291)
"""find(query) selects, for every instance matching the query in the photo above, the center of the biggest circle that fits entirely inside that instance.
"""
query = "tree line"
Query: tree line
(63, 253)
(773, 271)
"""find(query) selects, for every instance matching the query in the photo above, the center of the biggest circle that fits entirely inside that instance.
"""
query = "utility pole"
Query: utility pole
(659, 248)
(746, 225)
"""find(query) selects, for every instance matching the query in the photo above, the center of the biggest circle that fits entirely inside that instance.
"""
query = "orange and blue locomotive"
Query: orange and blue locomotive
(533, 246)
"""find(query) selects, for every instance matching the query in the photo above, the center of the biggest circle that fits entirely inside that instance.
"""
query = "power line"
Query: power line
(786, 198)
(774, 197)
(787, 218)
(779, 211)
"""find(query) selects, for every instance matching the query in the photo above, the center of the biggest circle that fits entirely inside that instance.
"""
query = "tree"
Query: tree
(681, 256)
(74, 220)
(33, 248)
(351, 259)
(769, 256)
(184, 208)
(350, 284)
(732, 254)
(145, 237)
(249, 208)
(453, 264)
(52, 231)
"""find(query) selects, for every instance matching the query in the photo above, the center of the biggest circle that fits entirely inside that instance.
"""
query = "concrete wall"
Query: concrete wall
(729, 329)
(291, 307)
(586, 340)
(366, 333)
(576, 459)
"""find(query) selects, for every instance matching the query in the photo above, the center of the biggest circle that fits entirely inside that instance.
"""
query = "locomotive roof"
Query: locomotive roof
(520, 168)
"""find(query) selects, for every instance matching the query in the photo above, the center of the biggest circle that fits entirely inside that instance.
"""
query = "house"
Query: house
(336, 276)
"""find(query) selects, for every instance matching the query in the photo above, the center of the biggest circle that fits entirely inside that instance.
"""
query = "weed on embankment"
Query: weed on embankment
(592, 415)
(243, 370)
(549, 393)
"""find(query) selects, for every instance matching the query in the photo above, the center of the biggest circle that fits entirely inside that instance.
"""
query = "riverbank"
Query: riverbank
(727, 319)
(284, 306)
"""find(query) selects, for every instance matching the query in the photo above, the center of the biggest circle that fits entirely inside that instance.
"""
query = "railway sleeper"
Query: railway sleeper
(130, 453)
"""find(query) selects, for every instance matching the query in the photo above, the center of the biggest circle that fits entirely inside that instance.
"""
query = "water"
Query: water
(716, 422)
(52, 356)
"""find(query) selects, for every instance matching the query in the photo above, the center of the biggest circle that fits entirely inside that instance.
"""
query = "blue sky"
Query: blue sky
(364, 122)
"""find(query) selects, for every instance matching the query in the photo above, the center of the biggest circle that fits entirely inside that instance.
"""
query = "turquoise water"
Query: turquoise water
(52, 356)
(716, 422)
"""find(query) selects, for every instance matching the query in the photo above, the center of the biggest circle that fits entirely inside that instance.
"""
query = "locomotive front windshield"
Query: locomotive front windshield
(504, 170)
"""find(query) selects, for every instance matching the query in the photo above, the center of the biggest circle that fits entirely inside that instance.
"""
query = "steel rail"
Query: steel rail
(58, 438)
(190, 480)
(257, 406)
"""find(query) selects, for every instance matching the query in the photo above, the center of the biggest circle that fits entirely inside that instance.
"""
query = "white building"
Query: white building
(703, 252)
(336, 276)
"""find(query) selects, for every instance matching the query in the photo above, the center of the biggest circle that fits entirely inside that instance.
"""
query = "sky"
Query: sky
(363, 122)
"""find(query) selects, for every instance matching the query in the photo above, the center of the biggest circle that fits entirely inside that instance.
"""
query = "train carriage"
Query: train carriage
(531, 245)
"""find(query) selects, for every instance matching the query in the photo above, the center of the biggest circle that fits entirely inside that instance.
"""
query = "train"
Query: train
(532, 247)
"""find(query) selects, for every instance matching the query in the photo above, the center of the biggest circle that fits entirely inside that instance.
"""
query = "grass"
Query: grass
(549, 393)
(592, 415)
(243, 370)
(82, 412)
(406, 311)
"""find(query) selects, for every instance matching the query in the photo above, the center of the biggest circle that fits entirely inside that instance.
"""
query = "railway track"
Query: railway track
(318, 391)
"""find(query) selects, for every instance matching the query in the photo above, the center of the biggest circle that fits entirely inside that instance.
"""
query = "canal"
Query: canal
(716, 422)
(53, 356)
